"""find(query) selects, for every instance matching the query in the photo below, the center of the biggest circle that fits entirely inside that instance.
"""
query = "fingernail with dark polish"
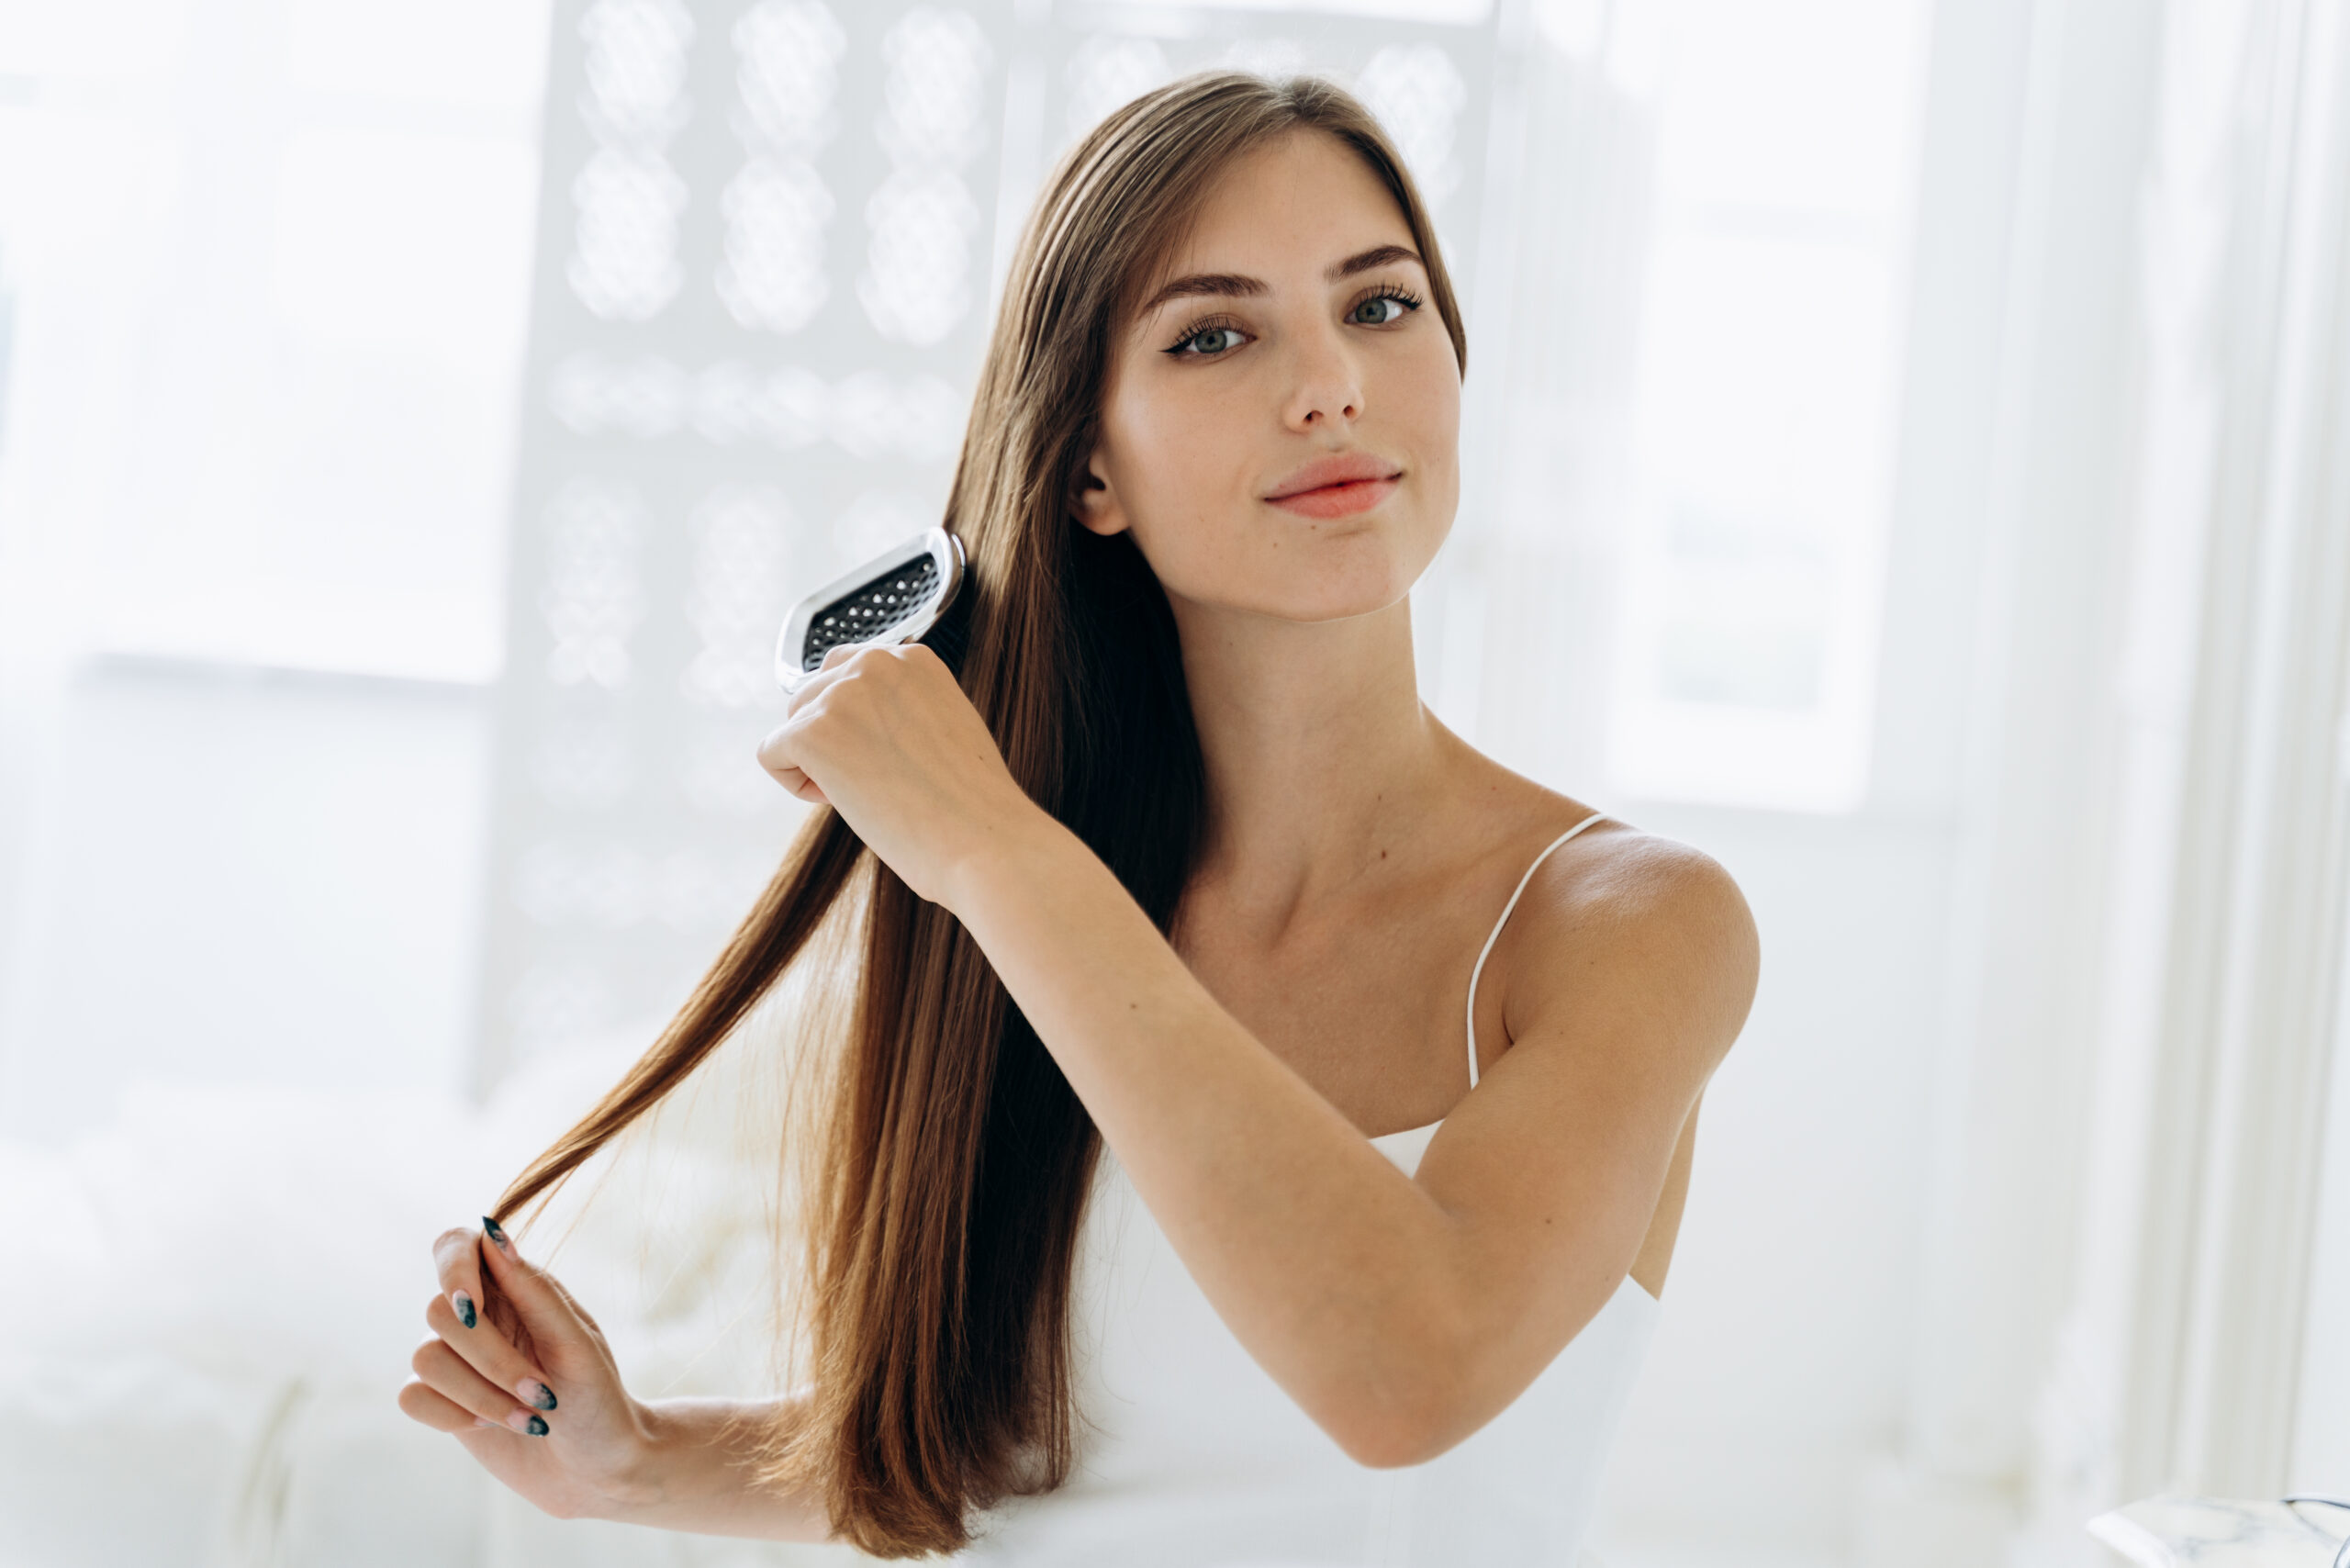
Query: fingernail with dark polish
(537, 1428)
(489, 1227)
(534, 1392)
(465, 1305)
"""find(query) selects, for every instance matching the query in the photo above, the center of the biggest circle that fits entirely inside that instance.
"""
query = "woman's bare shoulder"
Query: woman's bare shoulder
(1621, 912)
(1613, 894)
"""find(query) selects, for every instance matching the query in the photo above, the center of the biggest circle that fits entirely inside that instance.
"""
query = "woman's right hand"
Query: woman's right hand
(521, 1376)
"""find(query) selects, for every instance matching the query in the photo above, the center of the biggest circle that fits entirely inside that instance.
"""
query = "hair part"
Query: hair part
(953, 1159)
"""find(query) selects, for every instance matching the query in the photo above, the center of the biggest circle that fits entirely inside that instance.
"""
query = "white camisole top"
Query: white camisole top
(1190, 1456)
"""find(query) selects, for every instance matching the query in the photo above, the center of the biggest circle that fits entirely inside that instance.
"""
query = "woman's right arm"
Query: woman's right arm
(522, 1376)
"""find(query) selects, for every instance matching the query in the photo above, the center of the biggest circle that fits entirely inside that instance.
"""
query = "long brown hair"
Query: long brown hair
(955, 1160)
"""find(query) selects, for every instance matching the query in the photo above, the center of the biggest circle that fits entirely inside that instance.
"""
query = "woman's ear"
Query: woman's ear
(1096, 505)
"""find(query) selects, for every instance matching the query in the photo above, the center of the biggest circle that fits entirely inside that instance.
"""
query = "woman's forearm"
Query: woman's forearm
(698, 1473)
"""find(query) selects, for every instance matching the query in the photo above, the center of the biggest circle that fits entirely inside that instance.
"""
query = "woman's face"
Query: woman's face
(1282, 420)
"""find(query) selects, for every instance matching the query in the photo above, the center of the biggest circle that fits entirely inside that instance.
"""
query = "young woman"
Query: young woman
(1266, 1121)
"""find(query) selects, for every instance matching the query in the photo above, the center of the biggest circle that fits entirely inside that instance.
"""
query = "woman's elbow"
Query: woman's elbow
(1405, 1425)
(1394, 1440)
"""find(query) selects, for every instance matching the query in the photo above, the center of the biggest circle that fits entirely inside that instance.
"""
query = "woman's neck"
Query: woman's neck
(1321, 759)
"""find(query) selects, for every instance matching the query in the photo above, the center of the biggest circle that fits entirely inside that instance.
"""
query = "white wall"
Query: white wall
(242, 877)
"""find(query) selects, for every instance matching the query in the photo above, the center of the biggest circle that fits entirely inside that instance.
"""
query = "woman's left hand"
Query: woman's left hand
(886, 738)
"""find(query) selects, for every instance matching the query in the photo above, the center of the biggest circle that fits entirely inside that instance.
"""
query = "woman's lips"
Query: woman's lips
(1337, 500)
(1336, 483)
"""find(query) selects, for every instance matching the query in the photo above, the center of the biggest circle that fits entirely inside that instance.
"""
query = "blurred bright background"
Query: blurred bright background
(1908, 458)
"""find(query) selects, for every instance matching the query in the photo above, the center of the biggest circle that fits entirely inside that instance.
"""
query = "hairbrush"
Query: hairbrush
(900, 596)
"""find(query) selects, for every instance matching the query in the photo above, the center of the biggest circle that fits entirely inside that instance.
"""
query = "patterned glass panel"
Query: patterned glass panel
(742, 585)
(779, 209)
(1106, 71)
(642, 397)
(629, 198)
(773, 276)
(791, 53)
(582, 759)
(917, 282)
(592, 601)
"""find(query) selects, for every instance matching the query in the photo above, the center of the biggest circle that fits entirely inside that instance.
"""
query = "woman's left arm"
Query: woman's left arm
(1401, 1313)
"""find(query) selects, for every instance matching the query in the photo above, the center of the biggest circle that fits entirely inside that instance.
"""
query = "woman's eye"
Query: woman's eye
(1210, 340)
(1378, 310)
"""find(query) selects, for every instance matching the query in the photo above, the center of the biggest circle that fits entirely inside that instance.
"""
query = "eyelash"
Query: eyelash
(1395, 291)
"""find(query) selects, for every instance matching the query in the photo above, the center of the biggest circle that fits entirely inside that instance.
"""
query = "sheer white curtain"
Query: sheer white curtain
(2128, 1287)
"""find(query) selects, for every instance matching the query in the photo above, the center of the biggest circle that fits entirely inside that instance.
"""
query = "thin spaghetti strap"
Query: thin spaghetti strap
(1484, 952)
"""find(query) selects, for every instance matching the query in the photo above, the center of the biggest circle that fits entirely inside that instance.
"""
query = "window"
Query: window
(1764, 417)
(270, 268)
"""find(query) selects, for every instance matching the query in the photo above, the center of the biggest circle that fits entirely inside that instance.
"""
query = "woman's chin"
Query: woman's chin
(1312, 604)
(1312, 578)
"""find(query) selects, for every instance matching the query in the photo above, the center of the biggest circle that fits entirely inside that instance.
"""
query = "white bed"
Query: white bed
(207, 1309)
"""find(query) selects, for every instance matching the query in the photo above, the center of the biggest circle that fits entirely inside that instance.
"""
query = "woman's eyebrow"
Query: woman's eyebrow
(1231, 285)
(1377, 256)
(1228, 285)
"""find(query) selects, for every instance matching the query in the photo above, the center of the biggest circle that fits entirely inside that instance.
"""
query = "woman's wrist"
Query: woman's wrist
(697, 1467)
(671, 1442)
(1015, 848)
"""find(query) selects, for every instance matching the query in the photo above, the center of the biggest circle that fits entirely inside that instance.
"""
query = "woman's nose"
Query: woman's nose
(1327, 387)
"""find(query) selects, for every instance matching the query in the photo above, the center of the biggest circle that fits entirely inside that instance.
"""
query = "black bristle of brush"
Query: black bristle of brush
(951, 638)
